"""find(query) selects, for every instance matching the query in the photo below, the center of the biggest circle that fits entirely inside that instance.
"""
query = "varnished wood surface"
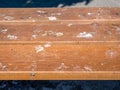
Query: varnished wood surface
(60, 44)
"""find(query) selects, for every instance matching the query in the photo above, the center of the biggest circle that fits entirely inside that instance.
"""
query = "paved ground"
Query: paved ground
(99, 3)
(60, 85)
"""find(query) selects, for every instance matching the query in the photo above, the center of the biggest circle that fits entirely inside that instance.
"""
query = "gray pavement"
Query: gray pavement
(98, 3)
(59, 3)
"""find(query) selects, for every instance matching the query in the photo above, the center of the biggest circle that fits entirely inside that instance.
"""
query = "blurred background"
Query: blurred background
(59, 3)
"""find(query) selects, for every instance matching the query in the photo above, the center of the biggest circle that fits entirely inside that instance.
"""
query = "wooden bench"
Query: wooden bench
(60, 44)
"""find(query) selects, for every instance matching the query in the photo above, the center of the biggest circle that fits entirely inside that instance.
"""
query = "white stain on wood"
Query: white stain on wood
(48, 33)
(39, 48)
(85, 35)
(4, 67)
(4, 31)
(51, 33)
(8, 18)
(47, 45)
(111, 53)
(89, 14)
(34, 36)
(61, 67)
(41, 11)
(12, 37)
(70, 24)
(58, 34)
(52, 18)
(86, 68)
(117, 30)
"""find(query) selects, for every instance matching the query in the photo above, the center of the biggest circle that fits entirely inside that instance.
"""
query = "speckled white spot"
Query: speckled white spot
(86, 68)
(30, 17)
(48, 33)
(51, 33)
(4, 31)
(52, 18)
(8, 18)
(111, 53)
(85, 35)
(47, 45)
(58, 34)
(4, 67)
(61, 67)
(12, 37)
(117, 30)
(39, 48)
(40, 11)
(89, 14)
(34, 36)
(70, 24)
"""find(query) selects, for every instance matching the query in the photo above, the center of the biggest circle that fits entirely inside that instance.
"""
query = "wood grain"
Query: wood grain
(60, 44)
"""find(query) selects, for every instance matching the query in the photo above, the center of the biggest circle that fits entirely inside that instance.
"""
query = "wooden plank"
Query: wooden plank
(52, 14)
(59, 32)
(45, 44)
(52, 75)
(51, 57)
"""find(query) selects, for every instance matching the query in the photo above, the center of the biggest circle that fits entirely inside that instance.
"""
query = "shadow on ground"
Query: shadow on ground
(39, 3)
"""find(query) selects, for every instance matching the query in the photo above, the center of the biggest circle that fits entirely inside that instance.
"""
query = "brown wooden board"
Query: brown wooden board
(60, 44)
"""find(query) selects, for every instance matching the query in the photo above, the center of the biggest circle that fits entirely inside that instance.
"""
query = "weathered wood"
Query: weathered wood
(63, 75)
(60, 14)
(59, 32)
(73, 43)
